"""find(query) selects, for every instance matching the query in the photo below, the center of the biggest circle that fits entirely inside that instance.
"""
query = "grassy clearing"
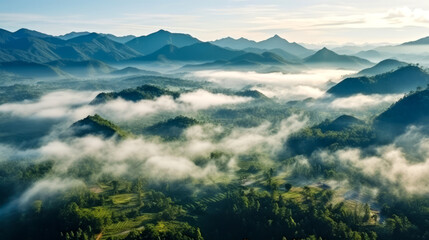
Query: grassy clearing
(116, 229)
(121, 199)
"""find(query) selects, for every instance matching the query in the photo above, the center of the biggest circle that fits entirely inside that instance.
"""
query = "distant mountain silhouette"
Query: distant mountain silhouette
(293, 48)
(23, 32)
(402, 80)
(328, 58)
(197, 52)
(31, 70)
(275, 42)
(98, 47)
(421, 41)
(282, 53)
(32, 46)
(121, 39)
(232, 43)
(264, 62)
(58, 68)
(369, 54)
(155, 41)
(71, 35)
(82, 68)
(382, 67)
(133, 71)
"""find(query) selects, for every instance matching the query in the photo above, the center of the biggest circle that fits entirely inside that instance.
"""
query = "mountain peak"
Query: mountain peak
(276, 38)
(325, 52)
(161, 31)
(24, 32)
(421, 41)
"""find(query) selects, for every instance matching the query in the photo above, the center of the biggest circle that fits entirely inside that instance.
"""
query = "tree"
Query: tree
(288, 186)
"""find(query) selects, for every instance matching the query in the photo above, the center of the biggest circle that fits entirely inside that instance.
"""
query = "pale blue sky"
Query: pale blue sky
(309, 21)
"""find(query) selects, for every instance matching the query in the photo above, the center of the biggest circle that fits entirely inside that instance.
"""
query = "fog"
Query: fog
(156, 160)
(361, 101)
(400, 168)
(73, 105)
(294, 86)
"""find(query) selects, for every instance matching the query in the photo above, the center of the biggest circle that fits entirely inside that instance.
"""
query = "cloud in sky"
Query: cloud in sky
(309, 21)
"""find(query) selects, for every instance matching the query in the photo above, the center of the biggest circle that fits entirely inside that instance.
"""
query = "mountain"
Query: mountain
(31, 70)
(145, 92)
(96, 125)
(264, 58)
(121, 39)
(382, 67)
(58, 68)
(403, 80)
(341, 123)
(265, 62)
(344, 131)
(171, 128)
(153, 42)
(369, 54)
(413, 109)
(252, 93)
(5, 36)
(31, 46)
(32, 49)
(328, 58)
(82, 68)
(71, 35)
(23, 33)
(95, 46)
(421, 41)
(293, 48)
(282, 53)
(197, 52)
(232, 43)
(275, 42)
(133, 71)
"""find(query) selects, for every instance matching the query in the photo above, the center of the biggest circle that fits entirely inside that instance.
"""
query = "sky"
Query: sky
(303, 21)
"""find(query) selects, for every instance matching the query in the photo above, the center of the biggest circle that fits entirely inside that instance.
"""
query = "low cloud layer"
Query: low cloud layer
(74, 105)
(360, 101)
(154, 159)
(283, 86)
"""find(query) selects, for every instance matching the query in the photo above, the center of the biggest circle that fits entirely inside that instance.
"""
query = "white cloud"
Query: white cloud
(58, 104)
(292, 86)
(73, 105)
(361, 101)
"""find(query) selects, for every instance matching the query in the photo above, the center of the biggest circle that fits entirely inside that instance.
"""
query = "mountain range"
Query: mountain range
(120, 39)
(67, 68)
(328, 58)
(275, 42)
(31, 46)
(403, 80)
(155, 41)
(384, 66)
